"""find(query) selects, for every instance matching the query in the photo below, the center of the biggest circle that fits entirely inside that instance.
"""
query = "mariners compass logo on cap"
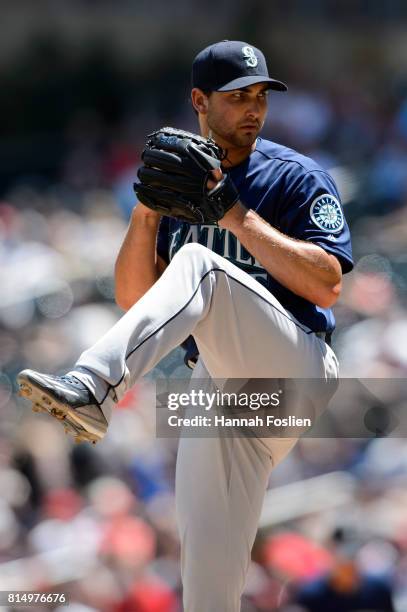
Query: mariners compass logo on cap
(250, 56)
(231, 64)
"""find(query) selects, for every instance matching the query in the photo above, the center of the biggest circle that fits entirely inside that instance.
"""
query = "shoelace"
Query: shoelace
(79, 384)
(74, 381)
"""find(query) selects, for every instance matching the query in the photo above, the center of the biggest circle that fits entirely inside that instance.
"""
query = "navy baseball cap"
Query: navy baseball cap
(231, 64)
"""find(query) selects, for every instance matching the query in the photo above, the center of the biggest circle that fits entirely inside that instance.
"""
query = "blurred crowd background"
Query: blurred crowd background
(81, 85)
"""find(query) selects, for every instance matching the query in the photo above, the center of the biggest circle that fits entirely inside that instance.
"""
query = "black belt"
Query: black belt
(325, 336)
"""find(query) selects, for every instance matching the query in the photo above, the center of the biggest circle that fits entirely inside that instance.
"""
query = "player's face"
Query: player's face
(236, 117)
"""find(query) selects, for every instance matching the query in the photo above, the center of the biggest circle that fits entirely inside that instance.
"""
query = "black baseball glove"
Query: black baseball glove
(173, 179)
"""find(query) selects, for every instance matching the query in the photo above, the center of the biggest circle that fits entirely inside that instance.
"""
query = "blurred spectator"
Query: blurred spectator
(99, 523)
(346, 587)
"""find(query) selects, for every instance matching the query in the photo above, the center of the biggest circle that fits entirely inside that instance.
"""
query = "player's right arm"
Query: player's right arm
(138, 266)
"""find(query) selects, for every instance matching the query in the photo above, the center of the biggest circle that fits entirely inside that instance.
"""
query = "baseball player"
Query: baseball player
(251, 287)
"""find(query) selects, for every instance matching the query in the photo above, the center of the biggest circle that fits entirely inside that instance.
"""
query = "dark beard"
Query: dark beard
(243, 140)
(237, 138)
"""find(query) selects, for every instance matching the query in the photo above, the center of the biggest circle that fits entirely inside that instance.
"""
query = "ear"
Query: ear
(199, 101)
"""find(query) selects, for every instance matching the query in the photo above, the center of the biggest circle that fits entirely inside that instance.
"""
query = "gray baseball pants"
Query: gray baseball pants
(241, 331)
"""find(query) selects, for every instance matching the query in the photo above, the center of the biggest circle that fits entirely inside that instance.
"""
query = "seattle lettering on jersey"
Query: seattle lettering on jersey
(293, 194)
(220, 241)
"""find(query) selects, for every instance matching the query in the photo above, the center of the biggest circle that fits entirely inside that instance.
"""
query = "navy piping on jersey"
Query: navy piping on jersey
(187, 304)
(294, 161)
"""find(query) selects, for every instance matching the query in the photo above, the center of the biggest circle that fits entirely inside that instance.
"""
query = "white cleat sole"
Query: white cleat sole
(44, 402)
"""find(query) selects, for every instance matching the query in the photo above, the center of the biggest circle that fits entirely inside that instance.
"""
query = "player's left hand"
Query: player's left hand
(178, 169)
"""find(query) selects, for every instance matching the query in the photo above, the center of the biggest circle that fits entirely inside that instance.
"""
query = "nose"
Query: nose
(253, 109)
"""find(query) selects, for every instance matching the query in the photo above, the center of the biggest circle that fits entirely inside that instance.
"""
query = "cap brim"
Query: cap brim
(252, 80)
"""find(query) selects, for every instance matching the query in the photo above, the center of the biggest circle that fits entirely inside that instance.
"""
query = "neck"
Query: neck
(235, 155)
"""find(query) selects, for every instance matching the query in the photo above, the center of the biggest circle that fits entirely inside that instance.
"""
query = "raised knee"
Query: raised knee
(195, 254)
(194, 249)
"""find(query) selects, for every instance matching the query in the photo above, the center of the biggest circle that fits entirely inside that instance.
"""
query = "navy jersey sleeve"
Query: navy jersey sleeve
(313, 212)
(162, 239)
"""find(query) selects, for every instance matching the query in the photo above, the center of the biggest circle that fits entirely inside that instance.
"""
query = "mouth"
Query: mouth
(249, 127)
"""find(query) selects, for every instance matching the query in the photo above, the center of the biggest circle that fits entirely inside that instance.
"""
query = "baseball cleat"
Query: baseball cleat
(67, 399)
